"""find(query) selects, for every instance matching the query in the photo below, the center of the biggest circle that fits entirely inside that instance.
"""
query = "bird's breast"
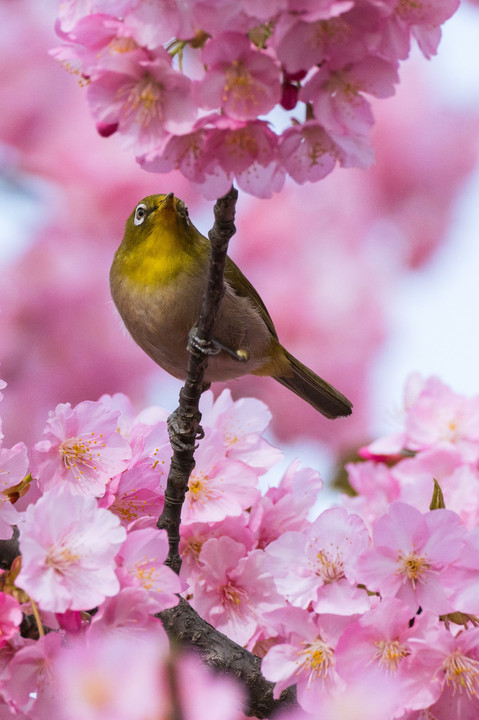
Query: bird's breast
(160, 317)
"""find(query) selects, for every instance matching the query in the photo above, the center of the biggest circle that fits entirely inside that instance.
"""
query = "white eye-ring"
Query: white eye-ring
(140, 214)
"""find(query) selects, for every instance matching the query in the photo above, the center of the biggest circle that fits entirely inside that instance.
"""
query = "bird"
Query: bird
(157, 280)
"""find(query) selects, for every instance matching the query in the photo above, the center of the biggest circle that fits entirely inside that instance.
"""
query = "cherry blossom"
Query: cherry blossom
(242, 423)
(82, 449)
(307, 152)
(307, 658)
(93, 680)
(28, 680)
(242, 61)
(137, 494)
(242, 81)
(141, 562)
(234, 589)
(410, 553)
(68, 548)
(10, 617)
(451, 661)
(379, 647)
(318, 566)
(217, 486)
(194, 536)
(142, 99)
(131, 611)
(285, 507)
(13, 469)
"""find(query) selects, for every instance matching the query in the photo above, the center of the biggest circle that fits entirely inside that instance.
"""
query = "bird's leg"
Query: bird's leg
(213, 347)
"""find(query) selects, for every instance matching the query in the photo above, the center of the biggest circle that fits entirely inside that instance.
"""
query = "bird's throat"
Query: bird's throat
(157, 262)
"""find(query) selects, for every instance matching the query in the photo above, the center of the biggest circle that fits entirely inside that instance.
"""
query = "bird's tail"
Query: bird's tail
(316, 391)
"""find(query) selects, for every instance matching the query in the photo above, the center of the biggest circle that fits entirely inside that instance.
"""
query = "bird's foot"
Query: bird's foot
(198, 346)
(184, 431)
(212, 347)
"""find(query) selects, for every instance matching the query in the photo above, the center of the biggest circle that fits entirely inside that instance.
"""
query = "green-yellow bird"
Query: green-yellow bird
(158, 278)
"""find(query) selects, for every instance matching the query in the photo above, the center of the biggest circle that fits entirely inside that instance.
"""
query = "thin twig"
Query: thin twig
(187, 416)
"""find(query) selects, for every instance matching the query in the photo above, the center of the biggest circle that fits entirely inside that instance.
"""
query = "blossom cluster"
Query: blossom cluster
(371, 601)
(199, 86)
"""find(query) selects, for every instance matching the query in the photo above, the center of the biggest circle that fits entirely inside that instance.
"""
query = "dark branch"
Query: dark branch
(186, 628)
(184, 424)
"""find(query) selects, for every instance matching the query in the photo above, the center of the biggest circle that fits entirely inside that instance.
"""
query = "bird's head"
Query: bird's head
(158, 214)
(159, 242)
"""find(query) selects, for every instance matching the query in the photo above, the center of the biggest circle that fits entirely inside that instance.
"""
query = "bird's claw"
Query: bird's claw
(180, 430)
(197, 345)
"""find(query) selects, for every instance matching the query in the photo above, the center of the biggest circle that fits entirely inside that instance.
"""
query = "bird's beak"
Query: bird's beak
(169, 203)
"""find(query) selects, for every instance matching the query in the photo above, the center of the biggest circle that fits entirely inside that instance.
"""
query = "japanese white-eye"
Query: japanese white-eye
(158, 278)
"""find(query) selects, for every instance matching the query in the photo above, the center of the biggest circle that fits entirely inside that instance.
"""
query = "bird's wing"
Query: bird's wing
(242, 287)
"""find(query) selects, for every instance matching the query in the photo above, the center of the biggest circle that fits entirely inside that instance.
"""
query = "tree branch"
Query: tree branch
(186, 628)
(184, 423)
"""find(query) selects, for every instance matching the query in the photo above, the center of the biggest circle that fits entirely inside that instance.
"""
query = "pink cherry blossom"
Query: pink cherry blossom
(463, 577)
(217, 486)
(377, 648)
(450, 665)
(301, 44)
(138, 493)
(153, 23)
(68, 546)
(438, 416)
(285, 507)
(112, 676)
(234, 589)
(240, 79)
(427, 12)
(217, 16)
(142, 99)
(244, 60)
(141, 562)
(71, 11)
(247, 151)
(410, 552)
(13, 468)
(82, 449)
(307, 152)
(28, 681)
(318, 565)
(194, 536)
(131, 611)
(242, 423)
(205, 695)
(91, 42)
(414, 476)
(10, 617)
(435, 416)
(376, 488)
(342, 109)
(307, 658)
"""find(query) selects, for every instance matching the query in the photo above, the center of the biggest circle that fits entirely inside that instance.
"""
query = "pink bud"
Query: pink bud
(106, 129)
(289, 96)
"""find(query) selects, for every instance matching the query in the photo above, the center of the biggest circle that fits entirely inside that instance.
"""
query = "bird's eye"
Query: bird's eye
(140, 214)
